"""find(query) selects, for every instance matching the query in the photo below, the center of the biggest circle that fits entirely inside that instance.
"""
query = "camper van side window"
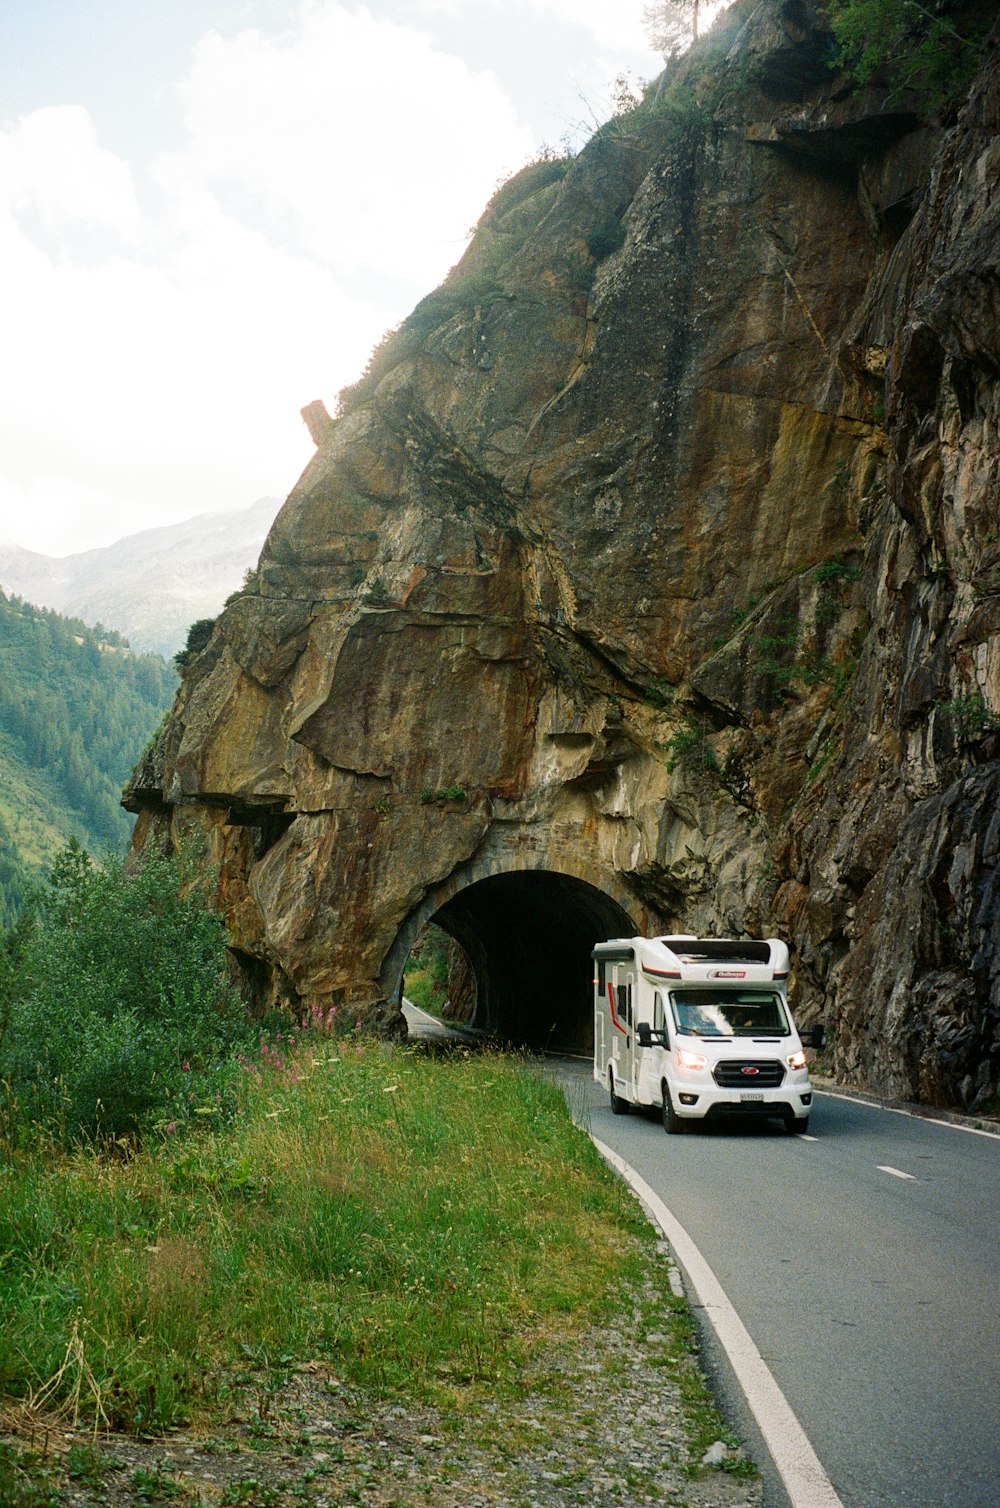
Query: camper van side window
(624, 1007)
(602, 979)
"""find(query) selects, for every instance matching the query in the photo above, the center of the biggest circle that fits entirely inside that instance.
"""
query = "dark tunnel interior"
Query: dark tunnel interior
(528, 937)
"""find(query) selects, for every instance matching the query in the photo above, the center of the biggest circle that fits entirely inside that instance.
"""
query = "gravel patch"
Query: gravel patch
(599, 1420)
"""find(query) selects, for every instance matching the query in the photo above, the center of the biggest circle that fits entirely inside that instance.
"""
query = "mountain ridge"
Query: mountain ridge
(151, 585)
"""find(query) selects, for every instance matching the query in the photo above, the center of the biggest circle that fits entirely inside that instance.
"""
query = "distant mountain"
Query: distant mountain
(76, 710)
(149, 586)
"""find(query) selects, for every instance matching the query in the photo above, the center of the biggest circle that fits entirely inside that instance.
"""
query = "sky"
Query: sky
(212, 210)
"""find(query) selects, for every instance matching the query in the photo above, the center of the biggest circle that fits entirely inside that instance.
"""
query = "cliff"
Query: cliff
(649, 579)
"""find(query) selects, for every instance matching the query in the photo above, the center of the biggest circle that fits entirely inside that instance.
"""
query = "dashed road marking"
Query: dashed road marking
(803, 1137)
(799, 1467)
(896, 1173)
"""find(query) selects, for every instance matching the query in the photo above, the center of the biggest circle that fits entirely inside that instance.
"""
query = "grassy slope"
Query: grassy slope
(425, 1228)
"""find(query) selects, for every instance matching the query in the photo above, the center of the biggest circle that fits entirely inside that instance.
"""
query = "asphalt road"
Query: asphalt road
(874, 1298)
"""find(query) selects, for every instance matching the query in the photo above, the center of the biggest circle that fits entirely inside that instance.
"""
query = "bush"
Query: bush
(606, 238)
(930, 50)
(119, 1015)
(971, 718)
(198, 637)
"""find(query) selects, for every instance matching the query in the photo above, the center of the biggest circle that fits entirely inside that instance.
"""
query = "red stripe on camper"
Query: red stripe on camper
(614, 1014)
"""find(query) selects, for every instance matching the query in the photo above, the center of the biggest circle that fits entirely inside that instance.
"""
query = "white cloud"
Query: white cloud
(615, 27)
(353, 138)
(611, 23)
(156, 357)
(52, 164)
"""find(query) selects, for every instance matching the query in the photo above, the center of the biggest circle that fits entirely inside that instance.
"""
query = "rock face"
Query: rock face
(648, 580)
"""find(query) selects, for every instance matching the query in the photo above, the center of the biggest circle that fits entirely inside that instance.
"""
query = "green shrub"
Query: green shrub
(909, 45)
(547, 169)
(971, 718)
(836, 571)
(119, 1013)
(606, 238)
(198, 636)
(688, 748)
(443, 793)
(249, 588)
(378, 594)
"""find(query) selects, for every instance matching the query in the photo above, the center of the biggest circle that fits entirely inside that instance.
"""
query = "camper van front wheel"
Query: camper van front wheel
(672, 1122)
(618, 1105)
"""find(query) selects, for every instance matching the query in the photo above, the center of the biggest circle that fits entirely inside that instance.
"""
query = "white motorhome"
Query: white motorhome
(699, 1026)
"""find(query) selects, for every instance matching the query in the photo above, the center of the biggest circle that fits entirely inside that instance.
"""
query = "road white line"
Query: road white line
(806, 1483)
(419, 1011)
(933, 1120)
(883, 1168)
(803, 1137)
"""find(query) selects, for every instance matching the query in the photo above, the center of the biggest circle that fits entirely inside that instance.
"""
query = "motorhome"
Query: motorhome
(699, 1027)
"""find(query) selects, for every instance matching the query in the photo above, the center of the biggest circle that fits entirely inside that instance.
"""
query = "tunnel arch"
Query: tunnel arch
(527, 934)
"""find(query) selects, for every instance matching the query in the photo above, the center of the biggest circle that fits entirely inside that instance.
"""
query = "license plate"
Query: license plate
(751, 1099)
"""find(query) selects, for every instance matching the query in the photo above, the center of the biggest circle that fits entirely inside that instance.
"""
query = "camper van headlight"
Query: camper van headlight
(686, 1059)
(797, 1060)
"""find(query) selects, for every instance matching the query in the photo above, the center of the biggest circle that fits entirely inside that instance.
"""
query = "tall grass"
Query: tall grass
(416, 1222)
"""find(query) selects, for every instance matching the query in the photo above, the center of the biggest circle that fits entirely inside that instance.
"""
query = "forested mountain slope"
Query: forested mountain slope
(75, 712)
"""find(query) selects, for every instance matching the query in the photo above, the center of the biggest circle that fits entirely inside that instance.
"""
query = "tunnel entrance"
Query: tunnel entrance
(528, 936)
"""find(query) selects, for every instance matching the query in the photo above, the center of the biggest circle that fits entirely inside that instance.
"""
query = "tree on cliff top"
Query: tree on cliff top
(671, 25)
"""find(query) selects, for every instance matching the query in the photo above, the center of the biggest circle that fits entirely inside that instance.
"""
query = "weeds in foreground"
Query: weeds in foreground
(414, 1224)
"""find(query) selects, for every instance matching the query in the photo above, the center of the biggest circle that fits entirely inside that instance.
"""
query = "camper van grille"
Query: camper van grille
(735, 1074)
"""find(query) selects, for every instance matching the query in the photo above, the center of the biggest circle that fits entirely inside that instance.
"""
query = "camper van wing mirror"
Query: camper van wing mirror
(645, 1036)
(816, 1037)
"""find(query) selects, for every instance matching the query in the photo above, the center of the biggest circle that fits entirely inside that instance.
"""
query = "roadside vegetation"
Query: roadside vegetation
(416, 1222)
(117, 1014)
(197, 1214)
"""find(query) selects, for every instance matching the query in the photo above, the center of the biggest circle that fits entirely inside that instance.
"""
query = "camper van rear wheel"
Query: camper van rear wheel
(672, 1122)
(618, 1105)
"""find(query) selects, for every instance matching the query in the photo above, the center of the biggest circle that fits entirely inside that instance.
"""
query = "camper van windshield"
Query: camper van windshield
(729, 1013)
